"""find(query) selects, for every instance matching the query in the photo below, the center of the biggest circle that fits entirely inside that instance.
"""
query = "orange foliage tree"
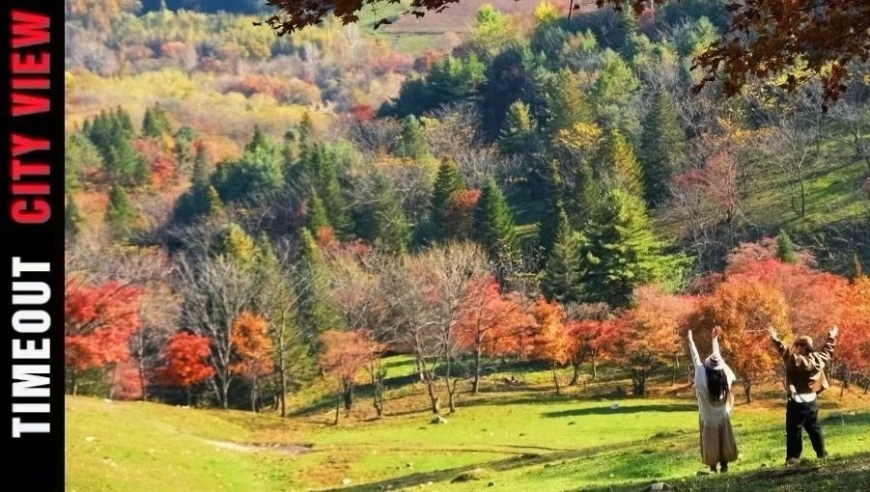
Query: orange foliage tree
(252, 346)
(98, 323)
(126, 383)
(853, 342)
(816, 300)
(666, 315)
(484, 321)
(161, 161)
(457, 223)
(551, 337)
(185, 362)
(588, 339)
(344, 354)
(650, 334)
(744, 308)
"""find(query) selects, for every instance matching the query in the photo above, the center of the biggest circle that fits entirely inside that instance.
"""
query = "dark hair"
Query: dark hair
(717, 384)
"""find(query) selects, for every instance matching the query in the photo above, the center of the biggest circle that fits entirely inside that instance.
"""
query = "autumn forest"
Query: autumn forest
(497, 197)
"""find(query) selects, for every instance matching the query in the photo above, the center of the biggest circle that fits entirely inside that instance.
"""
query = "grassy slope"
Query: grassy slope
(526, 439)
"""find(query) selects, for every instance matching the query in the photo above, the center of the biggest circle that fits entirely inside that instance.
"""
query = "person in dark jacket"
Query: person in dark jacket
(805, 379)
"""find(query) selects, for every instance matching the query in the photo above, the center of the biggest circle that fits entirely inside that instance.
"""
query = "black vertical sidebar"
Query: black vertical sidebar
(31, 231)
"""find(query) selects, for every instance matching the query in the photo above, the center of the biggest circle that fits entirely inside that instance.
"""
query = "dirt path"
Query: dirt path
(293, 449)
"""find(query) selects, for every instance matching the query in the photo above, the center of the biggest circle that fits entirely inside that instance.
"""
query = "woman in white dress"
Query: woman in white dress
(713, 380)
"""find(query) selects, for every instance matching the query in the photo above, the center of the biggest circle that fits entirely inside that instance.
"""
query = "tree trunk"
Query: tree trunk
(282, 373)
(556, 380)
(225, 394)
(594, 370)
(451, 395)
(803, 197)
(254, 395)
(143, 382)
(377, 386)
(430, 385)
(576, 376)
(451, 389)
(475, 385)
(75, 382)
(114, 372)
(676, 370)
(747, 391)
(638, 380)
(189, 397)
(348, 395)
(337, 407)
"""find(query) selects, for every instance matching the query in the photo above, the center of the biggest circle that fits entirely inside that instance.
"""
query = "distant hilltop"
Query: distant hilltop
(460, 17)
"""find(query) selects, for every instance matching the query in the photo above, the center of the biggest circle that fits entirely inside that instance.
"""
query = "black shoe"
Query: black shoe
(723, 468)
(713, 468)
(822, 456)
(792, 461)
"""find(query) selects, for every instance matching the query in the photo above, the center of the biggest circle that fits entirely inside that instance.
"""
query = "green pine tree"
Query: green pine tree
(568, 104)
(785, 249)
(185, 147)
(618, 165)
(412, 141)
(201, 166)
(79, 154)
(71, 219)
(316, 216)
(325, 167)
(661, 148)
(581, 199)
(213, 203)
(560, 279)
(233, 242)
(119, 213)
(383, 222)
(448, 184)
(519, 133)
(123, 120)
(553, 206)
(122, 161)
(315, 313)
(258, 141)
(141, 172)
(492, 223)
(150, 127)
(620, 252)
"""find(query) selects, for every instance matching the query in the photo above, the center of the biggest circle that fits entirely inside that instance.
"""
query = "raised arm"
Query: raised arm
(774, 337)
(820, 358)
(696, 359)
(716, 332)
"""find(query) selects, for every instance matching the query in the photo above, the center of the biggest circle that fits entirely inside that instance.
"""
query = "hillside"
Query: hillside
(458, 252)
(514, 440)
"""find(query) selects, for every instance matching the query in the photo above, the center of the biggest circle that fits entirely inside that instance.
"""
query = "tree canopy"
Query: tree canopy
(764, 38)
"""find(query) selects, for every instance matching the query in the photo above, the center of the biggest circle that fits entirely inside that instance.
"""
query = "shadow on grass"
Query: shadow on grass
(606, 410)
(838, 474)
(523, 460)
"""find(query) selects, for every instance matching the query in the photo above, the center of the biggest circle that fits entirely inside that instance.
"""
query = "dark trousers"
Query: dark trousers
(806, 415)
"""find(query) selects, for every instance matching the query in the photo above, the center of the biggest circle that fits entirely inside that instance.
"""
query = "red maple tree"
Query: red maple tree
(484, 321)
(253, 351)
(744, 309)
(853, 343)
(185, 361)
(98, 323)
(589, 340)
(345, 354)
(551, 337)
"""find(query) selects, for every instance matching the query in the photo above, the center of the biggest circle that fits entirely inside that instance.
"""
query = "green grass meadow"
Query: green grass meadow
(516, 439)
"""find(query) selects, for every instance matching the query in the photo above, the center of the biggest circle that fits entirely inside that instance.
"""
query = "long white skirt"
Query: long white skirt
(717, 443)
